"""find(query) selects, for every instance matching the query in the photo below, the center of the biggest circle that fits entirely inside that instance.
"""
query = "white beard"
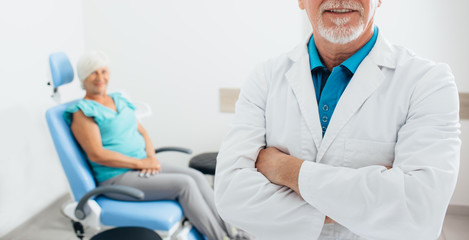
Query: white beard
(341, 34)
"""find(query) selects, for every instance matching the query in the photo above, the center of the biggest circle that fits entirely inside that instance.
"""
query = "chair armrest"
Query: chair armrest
(174, 149)
(82, 210)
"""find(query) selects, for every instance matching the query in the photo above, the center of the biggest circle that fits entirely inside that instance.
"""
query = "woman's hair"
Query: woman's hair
(89, 62)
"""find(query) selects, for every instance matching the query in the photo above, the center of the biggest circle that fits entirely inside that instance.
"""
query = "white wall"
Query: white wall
(175, 55)
(436, 30)
(30, 174)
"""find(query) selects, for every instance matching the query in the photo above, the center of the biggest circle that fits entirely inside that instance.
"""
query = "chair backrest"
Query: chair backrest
(71, 156)
(61, 69)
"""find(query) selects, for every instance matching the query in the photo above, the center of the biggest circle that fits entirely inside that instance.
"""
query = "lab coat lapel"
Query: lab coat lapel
(364, 82)
(300, 80)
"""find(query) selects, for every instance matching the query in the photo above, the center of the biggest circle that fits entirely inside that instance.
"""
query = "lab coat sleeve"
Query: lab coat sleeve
(408, 201)
(243, 196)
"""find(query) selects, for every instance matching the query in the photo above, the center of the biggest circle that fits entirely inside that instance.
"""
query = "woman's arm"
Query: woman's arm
(150, 151)
(86, 132)
(148, 145)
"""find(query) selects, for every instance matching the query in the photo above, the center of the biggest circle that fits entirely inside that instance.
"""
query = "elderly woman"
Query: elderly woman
(120, 151)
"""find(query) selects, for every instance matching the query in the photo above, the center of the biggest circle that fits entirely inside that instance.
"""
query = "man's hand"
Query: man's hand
(269, 163)
(279, 168)
(329, 220)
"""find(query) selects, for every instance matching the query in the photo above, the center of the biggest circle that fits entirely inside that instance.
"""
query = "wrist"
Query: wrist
(138, 163)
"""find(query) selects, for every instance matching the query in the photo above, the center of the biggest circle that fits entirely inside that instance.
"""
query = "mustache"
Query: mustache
(341, 4)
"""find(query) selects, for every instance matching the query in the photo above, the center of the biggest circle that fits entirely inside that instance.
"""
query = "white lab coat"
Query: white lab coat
(398, 110)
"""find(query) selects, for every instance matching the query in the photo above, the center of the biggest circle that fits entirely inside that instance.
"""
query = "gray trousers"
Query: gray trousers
(186, 185)
(335, 231)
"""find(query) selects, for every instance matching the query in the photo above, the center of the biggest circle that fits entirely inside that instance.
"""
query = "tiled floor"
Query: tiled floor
(48, 225)
(52, 225)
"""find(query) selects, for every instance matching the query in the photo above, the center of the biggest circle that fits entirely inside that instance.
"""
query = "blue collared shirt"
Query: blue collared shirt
(328, 85)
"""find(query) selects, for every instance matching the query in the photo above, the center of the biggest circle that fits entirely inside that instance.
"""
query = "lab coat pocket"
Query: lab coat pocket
(362, 153)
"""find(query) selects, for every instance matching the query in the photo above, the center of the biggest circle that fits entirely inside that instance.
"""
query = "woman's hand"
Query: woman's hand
(149, 166)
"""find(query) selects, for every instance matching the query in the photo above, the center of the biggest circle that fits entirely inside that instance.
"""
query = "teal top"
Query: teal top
(118, 131)
(329, 85)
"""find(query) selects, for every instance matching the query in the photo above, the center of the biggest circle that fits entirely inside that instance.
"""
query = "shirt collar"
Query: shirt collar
(314, 59)
(351, 63)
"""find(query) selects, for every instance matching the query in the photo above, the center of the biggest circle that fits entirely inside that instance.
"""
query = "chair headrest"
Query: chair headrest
(61, 69)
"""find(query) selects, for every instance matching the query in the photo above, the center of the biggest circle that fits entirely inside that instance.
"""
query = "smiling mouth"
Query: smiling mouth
(340, 10)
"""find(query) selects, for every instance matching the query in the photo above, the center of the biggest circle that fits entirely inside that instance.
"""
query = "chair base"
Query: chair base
(125, 233)
(178, 230)
(92, 220)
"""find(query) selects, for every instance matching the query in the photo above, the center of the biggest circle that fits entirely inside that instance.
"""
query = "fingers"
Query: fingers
(151, 167)
(145, 173)
(142, 173)
(148, 172)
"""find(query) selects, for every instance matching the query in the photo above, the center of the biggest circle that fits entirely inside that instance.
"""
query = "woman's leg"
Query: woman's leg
(174, 186)
(204, 187)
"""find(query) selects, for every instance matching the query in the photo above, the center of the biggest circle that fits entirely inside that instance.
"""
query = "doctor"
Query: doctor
(345, 137)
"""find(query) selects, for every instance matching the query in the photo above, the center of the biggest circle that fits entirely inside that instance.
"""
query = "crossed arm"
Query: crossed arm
(282, 169)
(87, 133)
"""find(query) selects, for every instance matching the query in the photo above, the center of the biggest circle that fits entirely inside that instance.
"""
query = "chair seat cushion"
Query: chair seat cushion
(205, 162)
(156, 215)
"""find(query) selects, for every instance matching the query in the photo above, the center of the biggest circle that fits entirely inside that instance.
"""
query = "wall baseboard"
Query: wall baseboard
(458, 210)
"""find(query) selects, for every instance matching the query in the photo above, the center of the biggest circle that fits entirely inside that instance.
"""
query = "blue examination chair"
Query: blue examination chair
(92, 209)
